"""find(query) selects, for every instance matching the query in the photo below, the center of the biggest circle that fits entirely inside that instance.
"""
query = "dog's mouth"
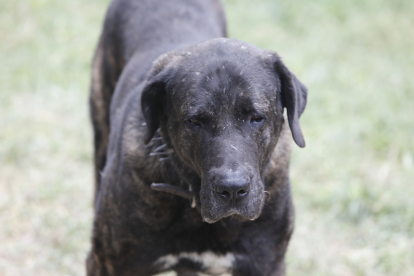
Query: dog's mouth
(208, 214)
(215, 208)
(232, 214)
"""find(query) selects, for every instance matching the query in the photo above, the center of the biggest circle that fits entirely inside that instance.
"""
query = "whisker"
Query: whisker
(150, 144)
(160, 148)
(163, 159)
(156, 139)
(158, 153)
(162, 153)
(268, 206)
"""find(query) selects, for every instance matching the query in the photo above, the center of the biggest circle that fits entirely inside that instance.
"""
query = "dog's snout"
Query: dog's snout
(233, 189)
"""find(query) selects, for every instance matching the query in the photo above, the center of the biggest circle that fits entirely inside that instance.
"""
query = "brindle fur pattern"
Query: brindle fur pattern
(159, 64)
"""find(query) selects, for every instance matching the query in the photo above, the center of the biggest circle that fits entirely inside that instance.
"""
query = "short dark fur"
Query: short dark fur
(172, 102)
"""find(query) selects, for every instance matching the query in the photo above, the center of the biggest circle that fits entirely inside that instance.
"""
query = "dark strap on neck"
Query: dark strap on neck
(175, 190)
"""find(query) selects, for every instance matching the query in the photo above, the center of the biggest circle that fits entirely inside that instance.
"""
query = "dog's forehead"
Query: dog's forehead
(227, 44)
(196, 56)
(224, 72)
(223, 88)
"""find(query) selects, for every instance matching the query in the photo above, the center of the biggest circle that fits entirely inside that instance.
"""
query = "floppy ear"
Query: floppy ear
(293, 97)
(153, 97)
(151, 105)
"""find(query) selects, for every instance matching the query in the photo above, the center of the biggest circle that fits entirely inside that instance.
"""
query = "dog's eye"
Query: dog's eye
(256, 119)
(194, 122)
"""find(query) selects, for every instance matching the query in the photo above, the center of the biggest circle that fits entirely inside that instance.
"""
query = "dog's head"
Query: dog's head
(222, 102)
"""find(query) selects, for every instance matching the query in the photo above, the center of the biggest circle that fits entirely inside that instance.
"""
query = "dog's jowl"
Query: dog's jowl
(191, 145)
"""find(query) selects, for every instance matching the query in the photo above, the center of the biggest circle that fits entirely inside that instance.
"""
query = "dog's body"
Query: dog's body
(197, 113)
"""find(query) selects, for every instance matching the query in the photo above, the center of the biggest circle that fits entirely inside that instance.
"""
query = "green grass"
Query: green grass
(353, 183)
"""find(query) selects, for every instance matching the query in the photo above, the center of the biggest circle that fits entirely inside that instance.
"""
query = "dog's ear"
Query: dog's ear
(153, 97)
(293, 97)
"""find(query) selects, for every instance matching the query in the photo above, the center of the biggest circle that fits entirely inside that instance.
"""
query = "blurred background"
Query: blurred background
(353, 184)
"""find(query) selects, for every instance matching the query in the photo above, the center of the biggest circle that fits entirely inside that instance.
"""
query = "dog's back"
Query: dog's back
(135, 33)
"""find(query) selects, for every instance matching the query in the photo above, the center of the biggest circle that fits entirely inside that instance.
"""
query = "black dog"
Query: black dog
(191, 143)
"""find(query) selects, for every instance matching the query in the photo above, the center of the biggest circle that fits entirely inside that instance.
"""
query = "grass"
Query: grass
(353, 183)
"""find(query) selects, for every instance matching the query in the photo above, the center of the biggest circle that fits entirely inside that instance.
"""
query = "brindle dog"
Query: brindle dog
(191, 145)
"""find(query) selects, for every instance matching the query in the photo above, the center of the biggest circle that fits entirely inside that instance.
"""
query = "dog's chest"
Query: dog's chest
(208, 262)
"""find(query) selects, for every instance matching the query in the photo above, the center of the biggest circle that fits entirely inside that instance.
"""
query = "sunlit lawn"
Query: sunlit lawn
(353, 184)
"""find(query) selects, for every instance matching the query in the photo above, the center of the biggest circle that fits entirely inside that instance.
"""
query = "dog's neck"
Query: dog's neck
(189, 183)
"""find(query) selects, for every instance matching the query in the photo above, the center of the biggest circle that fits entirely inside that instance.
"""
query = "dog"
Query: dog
(192, 146)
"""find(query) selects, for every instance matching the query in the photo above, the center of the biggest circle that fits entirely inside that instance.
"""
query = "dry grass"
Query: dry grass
(353, 183)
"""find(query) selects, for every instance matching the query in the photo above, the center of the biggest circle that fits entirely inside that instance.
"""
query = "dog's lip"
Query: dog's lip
(210, 220)
(232, 212)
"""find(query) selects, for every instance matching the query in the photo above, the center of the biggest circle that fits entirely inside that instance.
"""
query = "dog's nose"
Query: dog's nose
(233, 189)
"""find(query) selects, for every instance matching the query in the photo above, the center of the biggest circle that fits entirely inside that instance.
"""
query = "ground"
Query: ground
(352, 184)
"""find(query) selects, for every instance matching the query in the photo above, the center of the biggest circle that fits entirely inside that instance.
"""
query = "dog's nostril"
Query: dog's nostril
(241, 193)
(232, 189)
(224, 194)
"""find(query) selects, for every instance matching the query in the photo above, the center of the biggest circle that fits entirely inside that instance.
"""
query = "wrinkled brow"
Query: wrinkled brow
(252, 102)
